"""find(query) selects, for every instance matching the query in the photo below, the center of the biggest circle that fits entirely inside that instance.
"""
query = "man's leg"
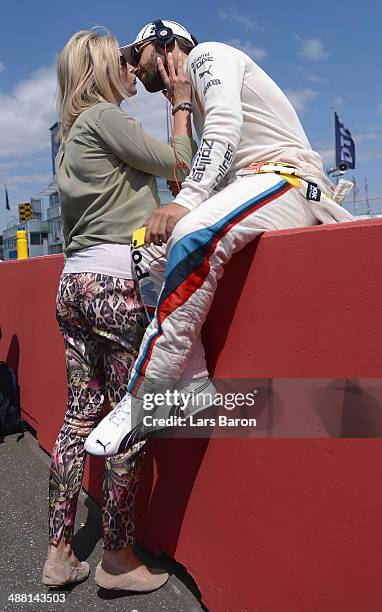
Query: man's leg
(201, 244)
(149, 264)
(199, 248)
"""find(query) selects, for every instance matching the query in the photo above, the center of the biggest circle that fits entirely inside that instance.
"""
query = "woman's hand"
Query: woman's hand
(176, 82)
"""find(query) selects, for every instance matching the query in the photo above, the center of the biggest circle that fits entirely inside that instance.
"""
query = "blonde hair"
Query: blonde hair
(88, 72)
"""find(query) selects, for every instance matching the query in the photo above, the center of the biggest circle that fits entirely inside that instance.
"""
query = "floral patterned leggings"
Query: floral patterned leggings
(102, 320)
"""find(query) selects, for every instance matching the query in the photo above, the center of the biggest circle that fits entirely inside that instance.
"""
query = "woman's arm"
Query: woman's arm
(127, 140)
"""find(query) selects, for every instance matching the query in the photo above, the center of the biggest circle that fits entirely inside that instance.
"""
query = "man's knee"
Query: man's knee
(184, 226)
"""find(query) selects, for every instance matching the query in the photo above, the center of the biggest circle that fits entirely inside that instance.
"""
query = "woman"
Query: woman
(106, 168)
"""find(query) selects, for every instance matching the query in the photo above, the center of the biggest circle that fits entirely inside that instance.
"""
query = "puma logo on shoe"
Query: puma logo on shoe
(103, 445)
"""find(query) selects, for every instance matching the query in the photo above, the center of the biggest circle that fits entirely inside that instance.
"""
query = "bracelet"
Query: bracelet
(182, 106)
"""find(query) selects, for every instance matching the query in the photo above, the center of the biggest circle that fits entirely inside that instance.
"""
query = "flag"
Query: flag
(345, 147)
(6, 199)
(55, 145)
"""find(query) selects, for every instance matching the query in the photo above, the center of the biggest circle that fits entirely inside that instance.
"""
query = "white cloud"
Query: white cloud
(7, 165)
(2, 67)
(246, 21)
(310, 77)
(338, 101)
(312, 49)
(27, 113)
(367, 155)
(301, 97)
(256, 53)
(313, 78)
(361, 137)
(14, 180)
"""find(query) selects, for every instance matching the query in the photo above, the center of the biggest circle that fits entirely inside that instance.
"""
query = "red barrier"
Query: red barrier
(262, 524)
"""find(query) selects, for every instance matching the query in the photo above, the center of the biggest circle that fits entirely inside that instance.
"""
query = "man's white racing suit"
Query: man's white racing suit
(254, 171)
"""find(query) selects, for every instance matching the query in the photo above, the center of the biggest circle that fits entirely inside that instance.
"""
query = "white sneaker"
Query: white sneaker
(124, 425)
(117, 429)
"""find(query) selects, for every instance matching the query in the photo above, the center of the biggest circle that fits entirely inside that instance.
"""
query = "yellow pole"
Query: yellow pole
(22, 244)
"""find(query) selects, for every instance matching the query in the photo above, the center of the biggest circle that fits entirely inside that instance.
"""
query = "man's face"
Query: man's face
(147, 69)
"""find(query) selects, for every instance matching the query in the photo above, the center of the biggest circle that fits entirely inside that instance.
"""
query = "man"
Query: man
(254, 171)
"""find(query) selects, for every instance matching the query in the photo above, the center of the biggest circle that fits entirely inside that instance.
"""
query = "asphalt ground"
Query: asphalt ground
(24, 470)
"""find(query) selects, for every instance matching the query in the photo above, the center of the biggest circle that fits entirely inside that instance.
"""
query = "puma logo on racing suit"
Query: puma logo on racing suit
(208, 71)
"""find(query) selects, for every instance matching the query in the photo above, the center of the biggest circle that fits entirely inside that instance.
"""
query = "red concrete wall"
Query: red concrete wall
(262, 524)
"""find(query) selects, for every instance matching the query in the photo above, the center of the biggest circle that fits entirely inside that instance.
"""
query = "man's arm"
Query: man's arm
(217, 77)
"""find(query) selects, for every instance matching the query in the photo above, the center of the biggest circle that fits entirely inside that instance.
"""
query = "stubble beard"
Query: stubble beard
(152, 79)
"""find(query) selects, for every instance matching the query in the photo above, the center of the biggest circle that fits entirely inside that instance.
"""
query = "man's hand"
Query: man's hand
(163, 221)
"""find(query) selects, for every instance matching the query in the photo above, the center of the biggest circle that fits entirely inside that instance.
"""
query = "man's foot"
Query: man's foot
(126, 423)
(117, 430)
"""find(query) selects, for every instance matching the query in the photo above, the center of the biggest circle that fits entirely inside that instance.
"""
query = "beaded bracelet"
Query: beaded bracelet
(182, 106)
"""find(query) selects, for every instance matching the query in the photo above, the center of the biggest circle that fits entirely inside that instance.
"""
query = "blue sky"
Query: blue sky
(323, 58)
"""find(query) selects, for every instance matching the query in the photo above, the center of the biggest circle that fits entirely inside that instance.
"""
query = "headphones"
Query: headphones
(163, 36)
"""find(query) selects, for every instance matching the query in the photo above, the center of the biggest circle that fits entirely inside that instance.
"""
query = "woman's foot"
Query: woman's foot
(58, 573)
(63, 567)
(123, 570)
(63, 553)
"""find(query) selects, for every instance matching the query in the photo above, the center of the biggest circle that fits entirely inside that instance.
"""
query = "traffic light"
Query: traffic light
(25, 212)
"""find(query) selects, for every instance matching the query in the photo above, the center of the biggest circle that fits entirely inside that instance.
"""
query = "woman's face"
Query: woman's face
(129, 79)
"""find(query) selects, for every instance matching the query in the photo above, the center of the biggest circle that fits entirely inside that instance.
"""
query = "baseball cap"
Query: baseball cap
(147, 33)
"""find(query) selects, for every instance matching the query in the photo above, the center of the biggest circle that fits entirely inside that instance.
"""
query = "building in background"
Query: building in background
(36, 226)
(44, 227)
(9, 243)
(55, 240)
(37, 238)
(53, 213)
